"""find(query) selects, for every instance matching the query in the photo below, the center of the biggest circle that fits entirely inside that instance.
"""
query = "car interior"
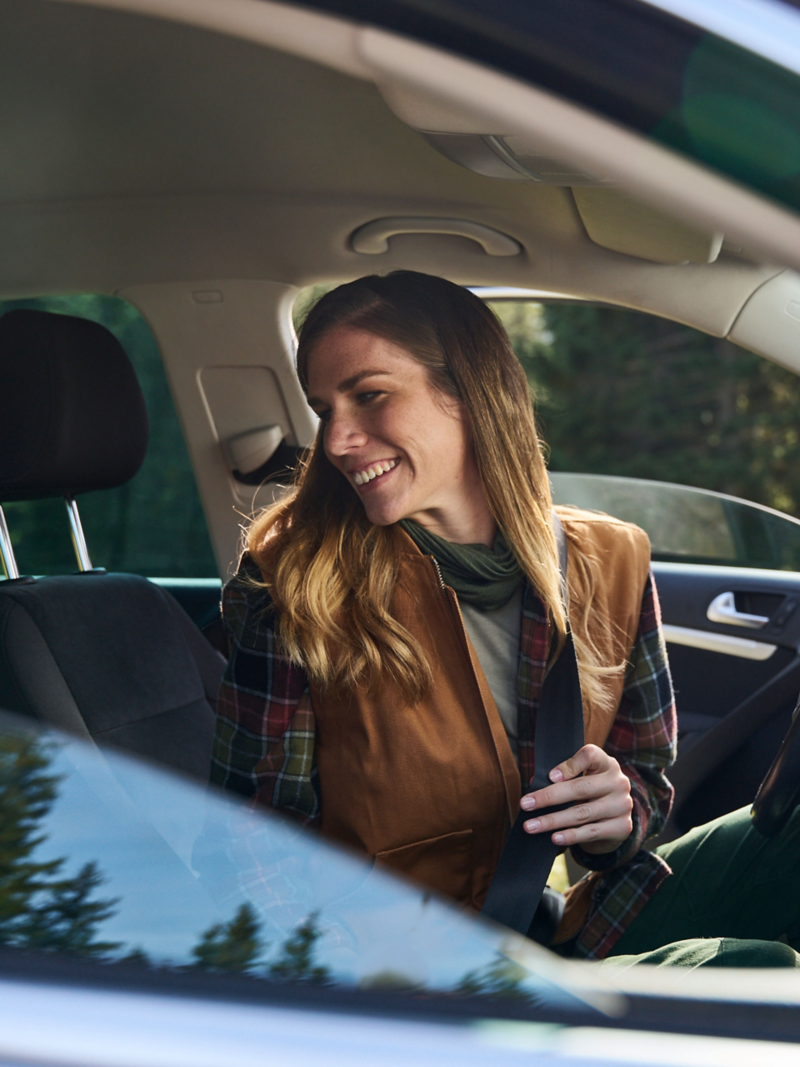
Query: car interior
(206, 163)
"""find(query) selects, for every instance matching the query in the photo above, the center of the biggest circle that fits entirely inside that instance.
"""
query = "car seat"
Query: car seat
(111, 657)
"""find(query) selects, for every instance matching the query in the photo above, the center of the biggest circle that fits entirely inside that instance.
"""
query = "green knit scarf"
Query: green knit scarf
(484, 577)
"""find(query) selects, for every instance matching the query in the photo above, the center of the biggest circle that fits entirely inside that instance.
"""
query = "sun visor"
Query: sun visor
(616, 221)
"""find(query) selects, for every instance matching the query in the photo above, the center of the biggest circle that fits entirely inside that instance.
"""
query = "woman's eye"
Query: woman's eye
(366, 398)
(324, 416)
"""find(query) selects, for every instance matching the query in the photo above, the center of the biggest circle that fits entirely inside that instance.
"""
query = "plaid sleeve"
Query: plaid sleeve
(264, 741)
(643, 736)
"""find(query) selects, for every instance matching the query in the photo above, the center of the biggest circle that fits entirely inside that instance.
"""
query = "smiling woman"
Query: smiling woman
(397, 613)
(380, 701)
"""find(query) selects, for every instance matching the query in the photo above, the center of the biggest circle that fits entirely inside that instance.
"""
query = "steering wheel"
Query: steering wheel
(779, 793)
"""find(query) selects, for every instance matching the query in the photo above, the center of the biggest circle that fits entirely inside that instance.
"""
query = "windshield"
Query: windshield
(108, 858)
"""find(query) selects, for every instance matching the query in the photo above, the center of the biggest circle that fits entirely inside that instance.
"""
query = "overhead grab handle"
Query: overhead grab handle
(373, 238)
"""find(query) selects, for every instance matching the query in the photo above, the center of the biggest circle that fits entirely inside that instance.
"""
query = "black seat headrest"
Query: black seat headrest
(72, 414)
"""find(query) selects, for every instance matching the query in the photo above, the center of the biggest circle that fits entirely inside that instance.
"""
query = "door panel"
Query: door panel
(728, 577)
(733, 709)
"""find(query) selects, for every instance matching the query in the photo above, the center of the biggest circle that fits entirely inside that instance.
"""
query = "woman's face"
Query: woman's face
(403, 447)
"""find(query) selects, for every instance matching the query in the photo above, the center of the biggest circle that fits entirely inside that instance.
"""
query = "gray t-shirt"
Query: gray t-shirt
(495, 637)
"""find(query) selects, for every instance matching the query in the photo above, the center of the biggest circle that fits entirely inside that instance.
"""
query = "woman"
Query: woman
(395, 613)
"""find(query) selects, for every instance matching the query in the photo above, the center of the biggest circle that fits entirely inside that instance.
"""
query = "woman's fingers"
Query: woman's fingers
(587, 760)
(610, 832)
(598, 795)
(566, 792)
(610, 806)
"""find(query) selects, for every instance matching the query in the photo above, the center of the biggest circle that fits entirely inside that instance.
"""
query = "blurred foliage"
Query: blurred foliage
(297, 959)
(625, 393)
(237, 946)
(155, 524)
(305, 302)
(504, 977)
(231, 946)
(40, 908)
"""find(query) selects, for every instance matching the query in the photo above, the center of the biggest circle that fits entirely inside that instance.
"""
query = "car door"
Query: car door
(732, 627)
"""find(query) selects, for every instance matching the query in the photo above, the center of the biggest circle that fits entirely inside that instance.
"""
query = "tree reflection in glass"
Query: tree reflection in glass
(190, 880)
(41, 908)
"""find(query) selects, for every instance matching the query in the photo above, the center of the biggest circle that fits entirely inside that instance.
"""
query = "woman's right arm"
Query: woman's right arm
(264, 740)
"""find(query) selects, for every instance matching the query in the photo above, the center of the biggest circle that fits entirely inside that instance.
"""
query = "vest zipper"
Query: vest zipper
(439, 573)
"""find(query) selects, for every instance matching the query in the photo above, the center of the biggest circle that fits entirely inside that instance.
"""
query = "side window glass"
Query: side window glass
(154, 525)
(631, 396)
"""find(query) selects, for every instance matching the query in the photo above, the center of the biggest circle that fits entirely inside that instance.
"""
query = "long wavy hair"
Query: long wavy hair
(331, 573)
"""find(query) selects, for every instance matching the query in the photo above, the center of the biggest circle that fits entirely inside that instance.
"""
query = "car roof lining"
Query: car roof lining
(151, 157)
(213, 155)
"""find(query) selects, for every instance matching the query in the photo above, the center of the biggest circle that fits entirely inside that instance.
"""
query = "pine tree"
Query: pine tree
(66, 920)
(39, 908)
(296, 961)
(231, 946)
(26, 794)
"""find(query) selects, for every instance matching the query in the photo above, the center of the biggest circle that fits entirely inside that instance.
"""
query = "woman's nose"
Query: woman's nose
(343, 434)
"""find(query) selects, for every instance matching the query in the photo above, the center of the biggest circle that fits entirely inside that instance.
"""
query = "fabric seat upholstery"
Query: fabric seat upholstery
(111, 657)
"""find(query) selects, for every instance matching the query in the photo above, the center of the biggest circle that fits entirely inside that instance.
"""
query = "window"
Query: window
(154, 525)
(638, 402)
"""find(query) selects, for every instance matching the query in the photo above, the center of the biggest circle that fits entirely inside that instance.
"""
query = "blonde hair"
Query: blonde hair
(331, 573)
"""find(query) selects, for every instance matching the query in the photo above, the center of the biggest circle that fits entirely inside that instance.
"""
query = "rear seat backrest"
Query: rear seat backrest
(107, 656)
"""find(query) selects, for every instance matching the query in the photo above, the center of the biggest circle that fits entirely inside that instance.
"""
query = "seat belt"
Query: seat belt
(527, 859)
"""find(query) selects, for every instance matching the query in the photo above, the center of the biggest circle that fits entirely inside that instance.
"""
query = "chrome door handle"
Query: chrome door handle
(723, 609)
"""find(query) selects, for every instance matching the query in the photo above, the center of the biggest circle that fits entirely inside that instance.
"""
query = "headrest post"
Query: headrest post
(78, 539)
(6, 551)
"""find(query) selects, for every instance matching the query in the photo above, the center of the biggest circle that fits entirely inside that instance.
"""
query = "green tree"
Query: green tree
(231, 946)
(296, 962)
(619, 392)
(501, 977)
(67, 918)
(39, 907)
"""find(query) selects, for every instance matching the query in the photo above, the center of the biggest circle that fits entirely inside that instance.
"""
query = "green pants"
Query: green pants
(730, 887)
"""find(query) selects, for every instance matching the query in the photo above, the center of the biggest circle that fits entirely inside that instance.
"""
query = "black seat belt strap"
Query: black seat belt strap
(527, 859)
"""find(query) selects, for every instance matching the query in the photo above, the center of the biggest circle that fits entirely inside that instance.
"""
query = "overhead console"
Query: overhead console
(611, 218)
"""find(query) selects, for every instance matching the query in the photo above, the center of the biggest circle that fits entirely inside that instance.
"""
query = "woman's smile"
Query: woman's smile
(368, 476)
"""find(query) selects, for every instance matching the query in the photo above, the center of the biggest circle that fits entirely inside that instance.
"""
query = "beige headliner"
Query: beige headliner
(200, 142)
(137, 149)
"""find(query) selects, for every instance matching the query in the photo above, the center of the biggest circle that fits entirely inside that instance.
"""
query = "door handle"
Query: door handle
(723, 609)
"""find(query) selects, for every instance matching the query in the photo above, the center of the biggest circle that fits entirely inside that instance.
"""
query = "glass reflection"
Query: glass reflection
(107, 857)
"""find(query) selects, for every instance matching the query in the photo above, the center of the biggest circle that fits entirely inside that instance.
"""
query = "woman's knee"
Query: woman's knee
(714, 952)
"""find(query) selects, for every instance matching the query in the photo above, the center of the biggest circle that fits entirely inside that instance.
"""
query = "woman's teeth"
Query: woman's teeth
(375, 471)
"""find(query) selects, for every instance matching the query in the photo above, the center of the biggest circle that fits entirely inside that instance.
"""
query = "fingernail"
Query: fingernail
(532, 825)
(558, 839)
(555, 775)
(527, 803)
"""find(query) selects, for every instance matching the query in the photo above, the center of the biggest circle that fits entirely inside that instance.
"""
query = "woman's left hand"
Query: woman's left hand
(599, 794)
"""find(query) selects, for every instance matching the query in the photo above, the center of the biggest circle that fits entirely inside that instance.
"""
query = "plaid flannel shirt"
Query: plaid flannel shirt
(264, 744)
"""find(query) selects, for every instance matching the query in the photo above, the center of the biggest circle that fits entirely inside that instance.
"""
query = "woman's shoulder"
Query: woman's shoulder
(247, 607)
(580, 524)
(621, 548)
